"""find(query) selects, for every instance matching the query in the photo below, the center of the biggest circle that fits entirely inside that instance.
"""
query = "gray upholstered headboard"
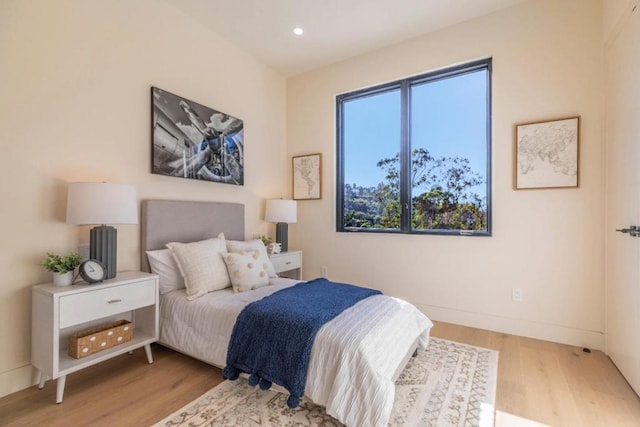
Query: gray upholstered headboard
(164, 221)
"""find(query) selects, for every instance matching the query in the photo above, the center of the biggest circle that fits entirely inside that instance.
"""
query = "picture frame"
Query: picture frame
(547, 154)
(193, 141)
(307, 177)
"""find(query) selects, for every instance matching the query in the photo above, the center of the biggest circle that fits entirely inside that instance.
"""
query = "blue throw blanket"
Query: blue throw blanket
(272, 337)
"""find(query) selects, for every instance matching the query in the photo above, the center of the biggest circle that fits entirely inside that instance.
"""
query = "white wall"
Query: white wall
(547, 63)
(75, 106)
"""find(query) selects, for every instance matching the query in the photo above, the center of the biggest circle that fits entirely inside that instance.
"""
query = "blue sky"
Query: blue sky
(448, 118)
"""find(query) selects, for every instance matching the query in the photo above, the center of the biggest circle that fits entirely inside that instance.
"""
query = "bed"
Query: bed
(355, 358)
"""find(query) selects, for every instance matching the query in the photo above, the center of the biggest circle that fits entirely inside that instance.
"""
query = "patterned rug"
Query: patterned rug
(449, 384)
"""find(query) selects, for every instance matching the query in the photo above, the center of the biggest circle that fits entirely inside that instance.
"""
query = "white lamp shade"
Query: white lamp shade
(279, 210)
(101, 203)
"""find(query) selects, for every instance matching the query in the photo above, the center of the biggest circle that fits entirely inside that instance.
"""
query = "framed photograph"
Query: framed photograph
(194, 141)
(307, 177)
(547, 154)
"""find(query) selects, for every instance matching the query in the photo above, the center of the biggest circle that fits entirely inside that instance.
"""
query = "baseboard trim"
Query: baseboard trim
(16, 380)
(526, 328)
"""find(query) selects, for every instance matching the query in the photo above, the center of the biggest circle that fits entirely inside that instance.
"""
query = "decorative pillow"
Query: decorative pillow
(201, 266)
(163, 264)
(246, 271)
(238, 246)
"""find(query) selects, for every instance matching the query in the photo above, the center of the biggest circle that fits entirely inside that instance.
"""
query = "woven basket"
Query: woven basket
(90, 341)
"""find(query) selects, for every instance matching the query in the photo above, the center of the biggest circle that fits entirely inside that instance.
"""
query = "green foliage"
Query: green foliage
(389, 199)
(57, 264)
(266, 240)
(445, 200)
(438, 210)
(362, 210)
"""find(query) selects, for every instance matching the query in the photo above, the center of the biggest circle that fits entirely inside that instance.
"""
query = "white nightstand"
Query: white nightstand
(288, 264)
(59, 311)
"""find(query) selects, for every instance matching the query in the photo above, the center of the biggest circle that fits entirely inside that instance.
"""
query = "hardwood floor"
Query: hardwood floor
(553, 384)
(123, 391)
(538, 381)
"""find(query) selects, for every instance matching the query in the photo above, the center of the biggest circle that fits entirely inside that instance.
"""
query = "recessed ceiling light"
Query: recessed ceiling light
(298, 31)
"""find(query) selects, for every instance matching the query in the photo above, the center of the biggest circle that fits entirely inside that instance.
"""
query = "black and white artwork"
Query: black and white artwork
(194, 141)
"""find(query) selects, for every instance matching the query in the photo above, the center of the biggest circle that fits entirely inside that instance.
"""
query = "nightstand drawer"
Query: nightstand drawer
(287, 261)
(86, 306)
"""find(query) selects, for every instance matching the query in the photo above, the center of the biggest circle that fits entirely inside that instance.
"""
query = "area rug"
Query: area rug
(448, 384)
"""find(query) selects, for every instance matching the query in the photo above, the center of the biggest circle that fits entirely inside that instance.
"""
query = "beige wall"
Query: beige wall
(615, 14)
(75, 106)
(547, 63)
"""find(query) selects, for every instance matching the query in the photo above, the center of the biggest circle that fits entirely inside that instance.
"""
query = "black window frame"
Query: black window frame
(405, 148)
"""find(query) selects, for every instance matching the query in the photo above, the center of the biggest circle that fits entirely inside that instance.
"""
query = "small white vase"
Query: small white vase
(63, 279)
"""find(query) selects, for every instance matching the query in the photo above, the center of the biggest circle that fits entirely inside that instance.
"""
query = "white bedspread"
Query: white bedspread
(353, 359)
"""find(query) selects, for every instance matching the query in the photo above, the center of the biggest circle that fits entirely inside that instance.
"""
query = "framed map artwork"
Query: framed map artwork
(307, 179)
(547, 154)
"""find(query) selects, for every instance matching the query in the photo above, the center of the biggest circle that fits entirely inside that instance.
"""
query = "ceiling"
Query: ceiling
(334, 29)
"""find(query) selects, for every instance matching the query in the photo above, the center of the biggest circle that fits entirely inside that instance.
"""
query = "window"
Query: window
(414, 155)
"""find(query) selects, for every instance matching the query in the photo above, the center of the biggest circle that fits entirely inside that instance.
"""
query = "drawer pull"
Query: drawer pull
(114, 301)
(288, 262)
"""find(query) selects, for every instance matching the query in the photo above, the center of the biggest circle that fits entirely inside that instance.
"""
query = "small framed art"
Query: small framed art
(307, 177)
(547, 154)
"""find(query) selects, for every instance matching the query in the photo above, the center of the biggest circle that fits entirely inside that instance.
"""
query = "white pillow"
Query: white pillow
(238, 246)
(163, 264)
(246, 271)
(201, 266)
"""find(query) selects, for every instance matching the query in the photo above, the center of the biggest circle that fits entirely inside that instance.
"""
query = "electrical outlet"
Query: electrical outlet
(324, 271)
(517, 294)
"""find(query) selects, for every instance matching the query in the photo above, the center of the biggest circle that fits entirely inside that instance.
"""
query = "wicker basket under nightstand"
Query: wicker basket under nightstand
(100, 338)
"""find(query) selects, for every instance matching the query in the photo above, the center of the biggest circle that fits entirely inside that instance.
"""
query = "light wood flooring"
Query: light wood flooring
(538, 382)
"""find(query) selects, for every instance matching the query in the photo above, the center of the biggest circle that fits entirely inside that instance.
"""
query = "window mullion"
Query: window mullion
(405, 160)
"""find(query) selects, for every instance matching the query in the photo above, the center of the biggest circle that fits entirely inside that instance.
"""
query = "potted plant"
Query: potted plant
(62, 267)
(265, 239)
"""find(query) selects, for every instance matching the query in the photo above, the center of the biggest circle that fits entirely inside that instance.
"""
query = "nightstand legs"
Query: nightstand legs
(42, 378)
(60, 388)
(147, 350)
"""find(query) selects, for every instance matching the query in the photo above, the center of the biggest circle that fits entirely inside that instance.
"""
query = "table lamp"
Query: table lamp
(101, 203)
(282, 212)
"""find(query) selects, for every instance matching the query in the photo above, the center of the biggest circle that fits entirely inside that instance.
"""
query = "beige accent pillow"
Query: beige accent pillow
(246, 271)
(237, 246)
(201, 265)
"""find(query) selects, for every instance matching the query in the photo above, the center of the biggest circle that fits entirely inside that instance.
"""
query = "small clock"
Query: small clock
(92, 271)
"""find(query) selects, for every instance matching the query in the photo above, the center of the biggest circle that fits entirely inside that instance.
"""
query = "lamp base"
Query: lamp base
(103, 247)
(282, 235)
